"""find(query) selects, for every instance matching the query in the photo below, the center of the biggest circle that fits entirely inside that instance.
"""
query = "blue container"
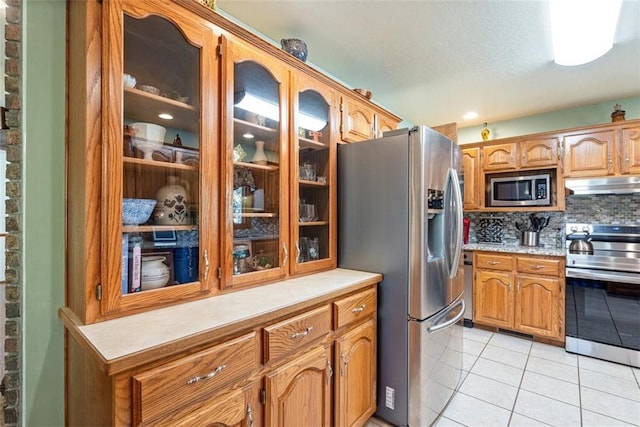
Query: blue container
(185, 262)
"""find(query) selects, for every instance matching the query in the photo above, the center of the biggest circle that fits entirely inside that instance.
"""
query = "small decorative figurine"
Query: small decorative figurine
(618, 113)
(485, 132)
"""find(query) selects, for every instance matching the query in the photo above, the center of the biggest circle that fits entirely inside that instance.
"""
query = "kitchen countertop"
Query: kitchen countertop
(115, 343)
(514, 248)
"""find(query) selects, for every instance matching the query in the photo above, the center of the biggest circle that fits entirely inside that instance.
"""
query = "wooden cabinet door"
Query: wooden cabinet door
(631, 151)
(589, 154)
(539, 153)
(493, 298)
(314, 174)
(299, 392)
(500, 157)
(384, 124)
(172, 55)
(471, 168)
(355, 388)
(256, 203)
(539, 306)
(358, 121)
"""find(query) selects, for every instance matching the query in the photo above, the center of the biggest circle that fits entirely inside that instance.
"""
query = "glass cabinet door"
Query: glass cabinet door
(313, 196)
(155, 138)
(257, 207)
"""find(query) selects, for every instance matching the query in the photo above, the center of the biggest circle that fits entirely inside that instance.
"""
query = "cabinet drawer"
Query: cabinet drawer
(358, 306)
(182, 381)
(494, 262)
(552, 267)
(285, 337)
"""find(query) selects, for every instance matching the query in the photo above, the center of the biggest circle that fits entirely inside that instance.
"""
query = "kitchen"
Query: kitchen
(33, 298)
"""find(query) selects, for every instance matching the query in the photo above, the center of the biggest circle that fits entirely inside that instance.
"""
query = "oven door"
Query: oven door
(603, 314)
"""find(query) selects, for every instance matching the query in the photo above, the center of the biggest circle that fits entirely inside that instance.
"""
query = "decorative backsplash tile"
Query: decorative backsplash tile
(601, 209)
(490, 229)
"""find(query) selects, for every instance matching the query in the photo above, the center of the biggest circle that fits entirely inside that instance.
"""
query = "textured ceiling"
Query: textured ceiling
(431, 61)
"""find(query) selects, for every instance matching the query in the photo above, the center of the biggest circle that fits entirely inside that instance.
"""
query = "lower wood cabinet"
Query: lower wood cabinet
(524, 293)
(313, 365)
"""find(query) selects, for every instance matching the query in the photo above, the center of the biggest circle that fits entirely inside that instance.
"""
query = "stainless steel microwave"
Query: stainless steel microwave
(529, 190)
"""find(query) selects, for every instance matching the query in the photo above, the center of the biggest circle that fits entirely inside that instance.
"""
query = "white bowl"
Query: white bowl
(147, 137)
(128, 80)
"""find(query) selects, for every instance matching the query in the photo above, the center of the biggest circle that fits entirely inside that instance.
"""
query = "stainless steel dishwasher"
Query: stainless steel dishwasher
(468, 288)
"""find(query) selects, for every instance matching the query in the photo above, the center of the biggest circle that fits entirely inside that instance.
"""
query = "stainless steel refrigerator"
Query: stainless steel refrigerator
(400, 214)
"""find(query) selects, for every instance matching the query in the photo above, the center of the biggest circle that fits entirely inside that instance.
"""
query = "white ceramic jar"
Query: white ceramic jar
(173, 199)
(155, 273)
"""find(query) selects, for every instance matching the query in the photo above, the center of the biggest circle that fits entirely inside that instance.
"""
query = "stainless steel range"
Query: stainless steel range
(603, 292)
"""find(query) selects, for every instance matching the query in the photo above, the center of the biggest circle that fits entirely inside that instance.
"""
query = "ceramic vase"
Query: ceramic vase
(172, 203)
(155, 273)
(259, 158)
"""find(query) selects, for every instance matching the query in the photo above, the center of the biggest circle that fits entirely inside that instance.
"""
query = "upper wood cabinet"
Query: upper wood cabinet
(145, 142)
(472, 185)
(533, 153)
(229, 141)
(256, 221)
(589, 154)
(361, 122)
(313, 178)
(630, 150)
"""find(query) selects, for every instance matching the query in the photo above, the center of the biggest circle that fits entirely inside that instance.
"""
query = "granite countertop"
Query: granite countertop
(514, 248)
(144, 335)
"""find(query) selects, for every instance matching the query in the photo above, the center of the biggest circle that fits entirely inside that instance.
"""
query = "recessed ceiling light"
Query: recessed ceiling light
(470, 115)
(248, 136)
(165, 116)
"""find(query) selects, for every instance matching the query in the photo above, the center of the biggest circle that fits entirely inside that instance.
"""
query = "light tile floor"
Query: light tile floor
(512, 381)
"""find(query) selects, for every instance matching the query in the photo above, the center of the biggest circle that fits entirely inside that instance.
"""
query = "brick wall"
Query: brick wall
(11, 383)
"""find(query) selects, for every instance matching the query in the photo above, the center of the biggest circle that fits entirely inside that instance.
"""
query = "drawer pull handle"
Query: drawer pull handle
(208, 376)
(536, 267)
(302, 334)
(493, 262)
(359, 309)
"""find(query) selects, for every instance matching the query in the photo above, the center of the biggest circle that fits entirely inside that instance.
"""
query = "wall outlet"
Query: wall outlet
(389, 397)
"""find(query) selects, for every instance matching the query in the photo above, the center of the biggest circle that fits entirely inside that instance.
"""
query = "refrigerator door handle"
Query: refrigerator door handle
(457, 207)
(444, 325)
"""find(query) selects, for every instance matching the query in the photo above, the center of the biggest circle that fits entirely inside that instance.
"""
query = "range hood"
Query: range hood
(613, 185)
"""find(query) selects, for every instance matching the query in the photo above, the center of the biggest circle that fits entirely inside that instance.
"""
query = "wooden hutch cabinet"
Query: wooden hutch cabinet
(360, 121)
(472, 176)
(230, 143)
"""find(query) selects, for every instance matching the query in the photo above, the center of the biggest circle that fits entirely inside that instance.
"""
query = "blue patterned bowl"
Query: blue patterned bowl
(137, 211)
(295, 47)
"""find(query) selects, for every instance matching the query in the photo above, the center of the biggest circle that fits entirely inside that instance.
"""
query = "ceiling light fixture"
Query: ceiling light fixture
(470, 115)
(582, 30)
(165, 116)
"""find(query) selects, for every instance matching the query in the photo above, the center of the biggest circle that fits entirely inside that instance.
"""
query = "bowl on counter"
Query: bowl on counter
(137, 211)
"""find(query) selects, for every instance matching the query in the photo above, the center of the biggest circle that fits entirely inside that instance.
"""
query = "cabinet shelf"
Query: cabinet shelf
(310, 144)
(305, 183)
(254, 166)
(144, 106)
(256, 214)
(151, 228)
(159, 164)
(312, 223)
(270, 136)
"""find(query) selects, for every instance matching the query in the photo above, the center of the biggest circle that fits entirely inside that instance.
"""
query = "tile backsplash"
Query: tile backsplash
(600, 209)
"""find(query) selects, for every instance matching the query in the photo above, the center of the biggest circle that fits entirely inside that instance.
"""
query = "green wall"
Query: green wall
(43, 192)
(569, 118)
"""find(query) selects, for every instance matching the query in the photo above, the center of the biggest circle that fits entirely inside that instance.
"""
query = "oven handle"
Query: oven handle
(609, 276)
